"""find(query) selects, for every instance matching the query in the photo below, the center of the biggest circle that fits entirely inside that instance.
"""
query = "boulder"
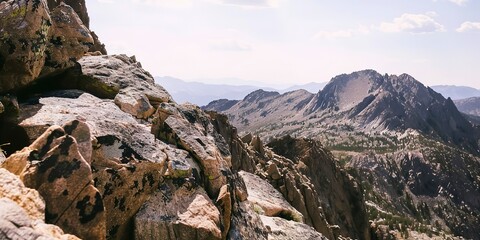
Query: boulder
(281, 229)
(267, 200)
(183, 213)
(22, 212)
(127, 161)
(104, 76)
(188, 127)
(134, 102)
(246, 223)
(15, 223)
(54, 166)
(68, 41)
(23, 40)
(12, 187)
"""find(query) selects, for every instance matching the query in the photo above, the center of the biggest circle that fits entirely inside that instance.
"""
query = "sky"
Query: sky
(286, 42)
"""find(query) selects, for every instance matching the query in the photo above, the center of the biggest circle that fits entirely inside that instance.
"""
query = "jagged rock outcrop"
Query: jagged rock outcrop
(127, 161)
(341, 196)
(54, 166)
(120, 77)
(37, 41)
(298, 184)
(183, 213)
(22, 212)
(267, 199)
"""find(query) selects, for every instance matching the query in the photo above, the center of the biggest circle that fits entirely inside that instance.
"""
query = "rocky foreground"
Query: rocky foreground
(93, 149)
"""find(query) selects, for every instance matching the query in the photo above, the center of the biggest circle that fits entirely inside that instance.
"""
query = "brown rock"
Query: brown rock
(54, 166)
(224, 202)
(127, 161)
(22, 211)
(187, 126)
(69, 40)
(23, 41)
(15, 223)
(134, 102)
(12, 187)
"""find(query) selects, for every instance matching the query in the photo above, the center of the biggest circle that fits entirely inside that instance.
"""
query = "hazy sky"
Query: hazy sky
(295, 41)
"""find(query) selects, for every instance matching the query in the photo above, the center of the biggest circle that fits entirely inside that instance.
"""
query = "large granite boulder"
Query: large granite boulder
(23, 40)
(54, 166)
(127, 161)
(184, 213)
(267, 199)
(22, 212)
(112, 75)
(36, 41)
(68, 39)
(190, 128)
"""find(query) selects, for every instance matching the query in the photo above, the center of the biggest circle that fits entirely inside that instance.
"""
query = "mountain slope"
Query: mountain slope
(362, 100)
(413, 152)
(469, 105)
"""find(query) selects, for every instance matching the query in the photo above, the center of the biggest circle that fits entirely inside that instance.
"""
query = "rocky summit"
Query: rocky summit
(92, 148)
(414, 155)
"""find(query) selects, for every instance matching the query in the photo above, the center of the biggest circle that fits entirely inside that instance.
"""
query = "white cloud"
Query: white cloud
(230, 45)
(413, 23)
(468, 26)
(249, 3)
(361, 30)
(459, 2)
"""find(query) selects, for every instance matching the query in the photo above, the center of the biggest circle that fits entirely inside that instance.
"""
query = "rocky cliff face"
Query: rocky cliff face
(413, 153)
(95, 149)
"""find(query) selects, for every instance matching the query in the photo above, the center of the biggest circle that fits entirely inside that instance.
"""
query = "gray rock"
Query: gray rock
(267, 200)
(104, 76)
(281, 229)
(183, 213)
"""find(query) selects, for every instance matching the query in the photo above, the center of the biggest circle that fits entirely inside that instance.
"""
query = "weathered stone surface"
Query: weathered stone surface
(340, 196)
(184, 213)
(120, 138)
(23, 40)
(22, 211)
(281, 229)
(246, 223)
(224, 203)
(16, 224)
(271, 202)
(187, 126)
(54, 166)
(181, 164)
(69, 40)
(132, 101)
(127, 161)
(104, 76)
(125, 187)
(12, 187)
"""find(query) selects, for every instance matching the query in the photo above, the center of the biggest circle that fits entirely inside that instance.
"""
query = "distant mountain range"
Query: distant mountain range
(456, 92)
(414, 153)
(363, 100)
(203, 93)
